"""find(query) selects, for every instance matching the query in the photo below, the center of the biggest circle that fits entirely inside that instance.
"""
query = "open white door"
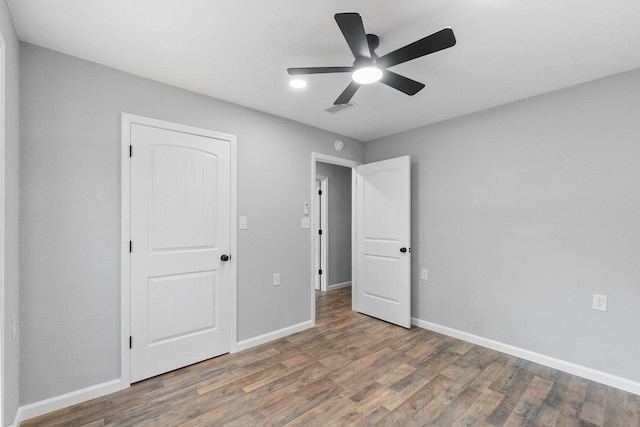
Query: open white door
(180, 232)
(383, 240)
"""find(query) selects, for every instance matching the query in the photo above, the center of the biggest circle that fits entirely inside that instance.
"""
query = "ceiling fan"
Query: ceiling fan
(368, 67)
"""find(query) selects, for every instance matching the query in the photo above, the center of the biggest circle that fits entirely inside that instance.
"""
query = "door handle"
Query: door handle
(403, 250)
(225, 257)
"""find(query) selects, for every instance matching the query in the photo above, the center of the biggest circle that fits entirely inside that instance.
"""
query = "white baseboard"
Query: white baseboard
(280, 333)
(17, 419)
(551, 362)
(339, 285)
(36, 409)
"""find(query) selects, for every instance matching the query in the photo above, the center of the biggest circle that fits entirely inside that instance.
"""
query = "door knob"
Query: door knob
(225, 257)
(403, 250)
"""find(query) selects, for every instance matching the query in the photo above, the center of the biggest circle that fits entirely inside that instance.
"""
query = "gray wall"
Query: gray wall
(522, 212)
(70, 213)
(12, 127)
(339, 233)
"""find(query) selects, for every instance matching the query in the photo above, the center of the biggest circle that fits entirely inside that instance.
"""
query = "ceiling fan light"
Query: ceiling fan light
(367, 75)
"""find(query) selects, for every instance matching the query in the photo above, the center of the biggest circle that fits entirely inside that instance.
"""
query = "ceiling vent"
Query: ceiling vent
(340, 107)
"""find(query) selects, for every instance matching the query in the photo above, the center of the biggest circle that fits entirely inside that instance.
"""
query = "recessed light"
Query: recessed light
(298, 83)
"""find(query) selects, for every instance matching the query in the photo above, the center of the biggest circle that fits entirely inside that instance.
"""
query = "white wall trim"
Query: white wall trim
(270, 336)
(125, 226)
(17, 419)
(233, 249)
(551, 362)
(3, 309)
(36, 409)
(340, 285)
(354, 242)
(125, 259)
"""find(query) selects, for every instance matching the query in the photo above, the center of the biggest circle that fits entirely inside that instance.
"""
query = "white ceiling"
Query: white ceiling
(238, 50)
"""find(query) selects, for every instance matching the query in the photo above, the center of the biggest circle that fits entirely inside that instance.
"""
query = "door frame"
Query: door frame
(321, 239)
(125, 260)
(326, 158)
(3, 309)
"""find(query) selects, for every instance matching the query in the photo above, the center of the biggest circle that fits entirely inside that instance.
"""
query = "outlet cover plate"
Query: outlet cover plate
(599, 302)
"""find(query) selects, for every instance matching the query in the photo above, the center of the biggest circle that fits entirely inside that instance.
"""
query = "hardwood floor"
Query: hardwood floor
(354, 370)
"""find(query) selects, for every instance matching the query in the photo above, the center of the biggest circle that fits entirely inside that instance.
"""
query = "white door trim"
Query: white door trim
(326, 158)
(125, 275)
(3, 309)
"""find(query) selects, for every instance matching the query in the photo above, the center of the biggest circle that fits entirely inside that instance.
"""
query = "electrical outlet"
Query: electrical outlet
(424, 274)
(276, 279)
(599, 302)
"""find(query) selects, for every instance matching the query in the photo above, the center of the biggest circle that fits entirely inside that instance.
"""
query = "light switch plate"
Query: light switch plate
(242, 223)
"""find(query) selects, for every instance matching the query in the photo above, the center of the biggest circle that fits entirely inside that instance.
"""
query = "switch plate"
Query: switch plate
(305, 222)
(242, 223)
(276, 279)
(599, 302)
(424, 274)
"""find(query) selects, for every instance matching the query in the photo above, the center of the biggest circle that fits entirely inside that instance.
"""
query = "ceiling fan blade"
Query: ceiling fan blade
(353, 31)
(318, 70)
(440, 40)
(401, 83)
(347, 93)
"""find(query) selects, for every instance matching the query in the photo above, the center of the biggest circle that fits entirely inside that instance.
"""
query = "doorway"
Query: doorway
(334, 232)
(380, 236)
(318, 162)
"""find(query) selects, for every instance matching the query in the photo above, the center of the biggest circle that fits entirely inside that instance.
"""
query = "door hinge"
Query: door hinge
(320, 192)
(319, 271)
(131, 151)
(319, 231)
(130, 246)
(130, 342)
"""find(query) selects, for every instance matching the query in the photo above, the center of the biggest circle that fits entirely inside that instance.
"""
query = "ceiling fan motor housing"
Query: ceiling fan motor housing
(374, 42)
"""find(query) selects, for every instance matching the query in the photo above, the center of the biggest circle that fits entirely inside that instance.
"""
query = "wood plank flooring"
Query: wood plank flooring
(354, 370)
